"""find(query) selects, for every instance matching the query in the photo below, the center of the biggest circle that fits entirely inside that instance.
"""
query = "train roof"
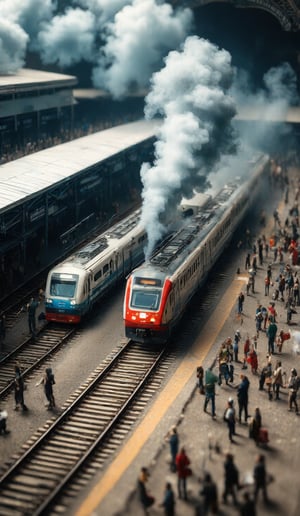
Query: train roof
(169, 255)
(27, 79)
(106, 243)
(31, 175)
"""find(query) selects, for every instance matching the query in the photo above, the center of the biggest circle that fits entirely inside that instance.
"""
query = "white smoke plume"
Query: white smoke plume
(68, 38)
(265, 105)
(28, 14)
(191, 94)
(13, 42)
(104, 10)
(140, 35)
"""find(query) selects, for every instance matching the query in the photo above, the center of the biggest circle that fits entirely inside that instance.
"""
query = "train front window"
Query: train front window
(145, 299)
(63, 286)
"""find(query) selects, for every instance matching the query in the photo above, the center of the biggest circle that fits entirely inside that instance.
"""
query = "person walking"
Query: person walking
(145, 498)
(19, 389)
(260, 478)
(168, 502)
(3, 418)
(210, 390)
(247, 508)
(242, 396)
(241, 299)
(237, 338)
(277, 379)
(267, 285)
(231, 478)
(48, 380)
(200, 379)
(32, 306)
(271, 334)
(293, 386)
(183, 471)
(174, 446)
(252, 360)
(229, 417)
(255, 426)
(247, 261)
(209, 494)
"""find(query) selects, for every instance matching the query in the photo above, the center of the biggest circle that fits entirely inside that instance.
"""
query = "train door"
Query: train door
(118, 265)
(129, 258)
(89, 290)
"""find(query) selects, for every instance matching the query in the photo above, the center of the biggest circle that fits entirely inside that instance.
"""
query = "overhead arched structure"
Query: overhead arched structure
(287, 12)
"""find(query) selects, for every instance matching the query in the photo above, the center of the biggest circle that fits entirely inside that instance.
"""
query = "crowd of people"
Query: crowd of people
(256, 358)
(13, 150)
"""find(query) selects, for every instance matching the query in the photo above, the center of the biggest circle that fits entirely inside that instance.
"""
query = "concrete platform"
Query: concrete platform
(205, 439)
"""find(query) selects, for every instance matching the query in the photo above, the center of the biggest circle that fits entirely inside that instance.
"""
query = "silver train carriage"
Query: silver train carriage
(78, 282)
(158, 291)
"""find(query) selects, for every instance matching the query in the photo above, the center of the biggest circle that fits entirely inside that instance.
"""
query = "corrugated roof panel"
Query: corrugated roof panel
(36, 172)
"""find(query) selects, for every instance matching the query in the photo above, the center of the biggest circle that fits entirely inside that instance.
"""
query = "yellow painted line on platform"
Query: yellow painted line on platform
(179, 379)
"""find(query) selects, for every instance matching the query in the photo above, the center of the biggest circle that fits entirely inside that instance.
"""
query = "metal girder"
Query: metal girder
(287, 12)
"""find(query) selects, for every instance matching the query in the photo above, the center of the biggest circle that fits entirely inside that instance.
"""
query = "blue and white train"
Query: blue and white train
(77, 283)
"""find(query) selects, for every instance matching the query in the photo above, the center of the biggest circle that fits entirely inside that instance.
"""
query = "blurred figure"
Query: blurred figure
(183, 471)
(145, 498)
(169, 500)
(19, 389)
(174, 446)
(48, 380)
(260, 477)
(293, 386)
(231, 475)
(3, 418)
(209, 492)
(248, 506)
(31, 308)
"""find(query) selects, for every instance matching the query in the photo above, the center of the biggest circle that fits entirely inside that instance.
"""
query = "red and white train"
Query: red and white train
(157, 292)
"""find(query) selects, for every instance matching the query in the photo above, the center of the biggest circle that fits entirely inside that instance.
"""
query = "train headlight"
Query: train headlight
(133, 317)
(73, 302)
(49, 300)
(152, 319)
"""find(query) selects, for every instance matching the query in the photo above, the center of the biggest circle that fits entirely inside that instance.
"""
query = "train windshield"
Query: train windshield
(146, 300)
(63, 285)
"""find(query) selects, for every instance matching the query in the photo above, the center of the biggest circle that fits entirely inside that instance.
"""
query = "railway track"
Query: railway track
(79, 441)
(32, 352)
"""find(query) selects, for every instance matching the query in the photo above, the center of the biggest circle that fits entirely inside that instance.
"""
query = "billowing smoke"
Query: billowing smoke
(28, 14)
(281, 84)
(191, 93)
(266, 106)
(136, 42)
(104, 10)
(13, 42)
(69, 38)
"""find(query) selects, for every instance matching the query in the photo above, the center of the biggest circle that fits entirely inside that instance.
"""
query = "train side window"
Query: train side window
(105, 268)
(98, 275)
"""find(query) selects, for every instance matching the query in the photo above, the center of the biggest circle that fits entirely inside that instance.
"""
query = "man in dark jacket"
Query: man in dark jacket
(260, 477)
(231, 478)
(242, 396)
(271, 334)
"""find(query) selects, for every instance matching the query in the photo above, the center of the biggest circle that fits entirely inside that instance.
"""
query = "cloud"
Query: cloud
(28, 14)
(135, 43)
(68, 38)
(13, 42)
(191, 94)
